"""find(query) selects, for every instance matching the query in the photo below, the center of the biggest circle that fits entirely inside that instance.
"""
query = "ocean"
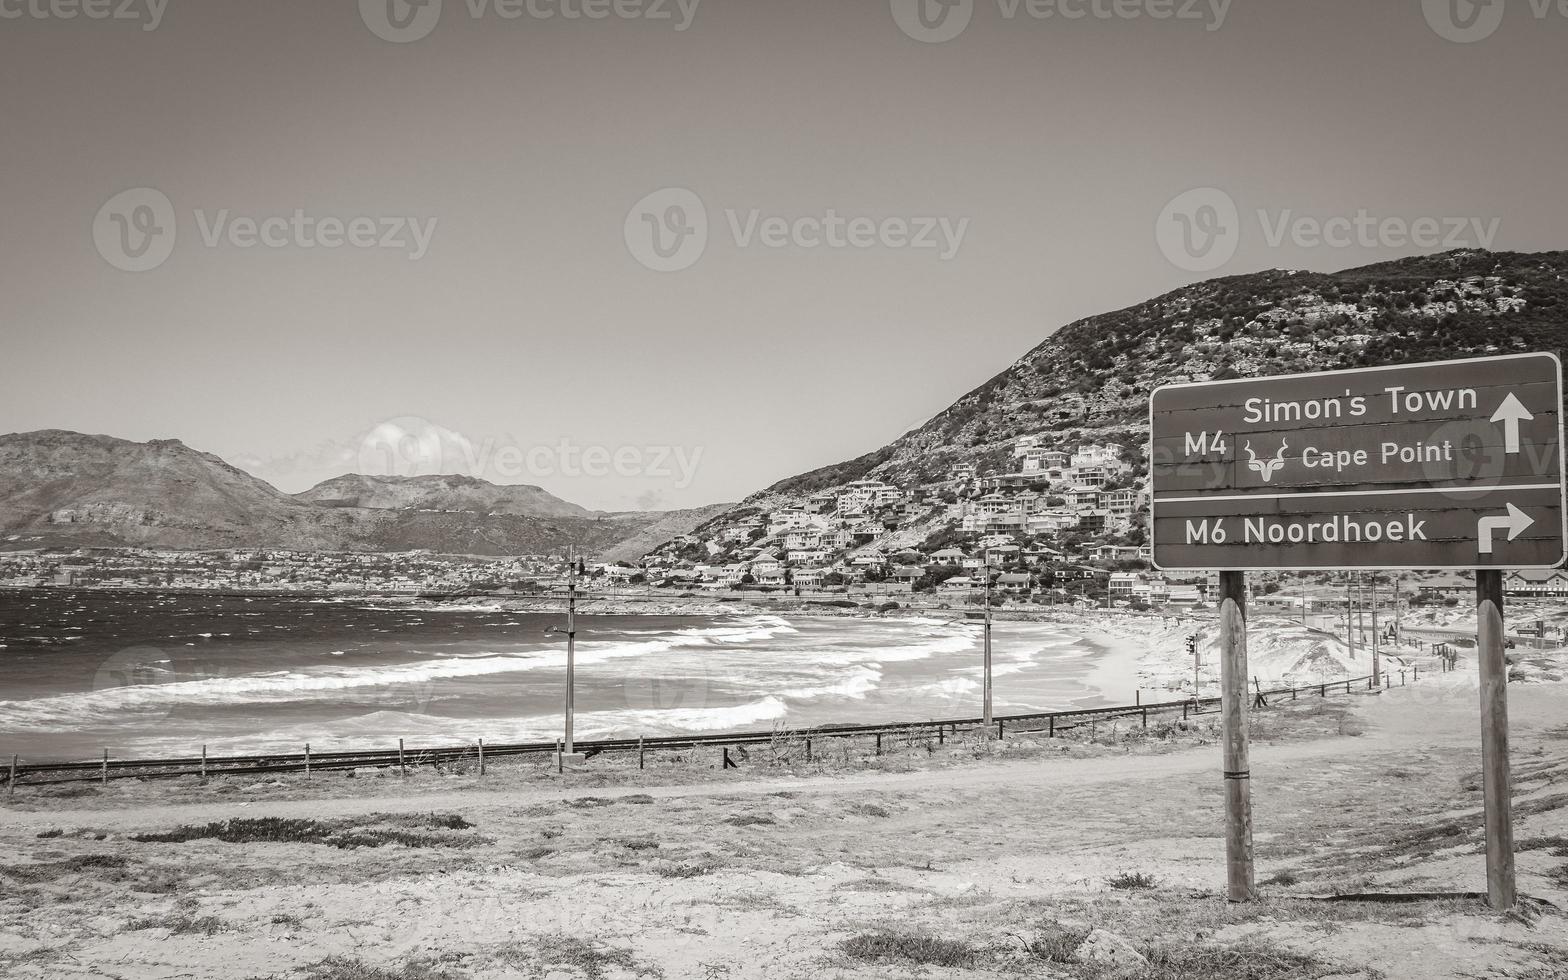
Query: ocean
(157, 676)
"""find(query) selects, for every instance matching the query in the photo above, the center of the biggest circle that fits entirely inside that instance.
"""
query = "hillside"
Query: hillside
(62, 488)
(440, 493)
(668, 525)
(1089, 383)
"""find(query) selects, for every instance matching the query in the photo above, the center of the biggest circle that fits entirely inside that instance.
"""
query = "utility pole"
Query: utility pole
(1377, 659)
(1361, 610)
(1350, 632)
(986, 683)
(1192, 648)
(1399, 633)
(571, 651)
(574, 566)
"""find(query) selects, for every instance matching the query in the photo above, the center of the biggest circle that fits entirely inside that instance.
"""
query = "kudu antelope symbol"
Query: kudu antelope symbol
(1266, 468)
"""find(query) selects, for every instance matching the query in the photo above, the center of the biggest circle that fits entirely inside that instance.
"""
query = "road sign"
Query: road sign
(1447, 465)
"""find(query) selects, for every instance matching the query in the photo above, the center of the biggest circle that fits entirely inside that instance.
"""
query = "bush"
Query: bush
(911, 948)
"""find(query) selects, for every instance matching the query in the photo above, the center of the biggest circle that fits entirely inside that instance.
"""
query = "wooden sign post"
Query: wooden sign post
(1497, 776)
(1239, 874)
(1448, 465)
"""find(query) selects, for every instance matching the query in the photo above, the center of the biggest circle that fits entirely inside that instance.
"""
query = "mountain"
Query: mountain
(68, 489)
(668, 525)
(440, 493)
(1090, 381)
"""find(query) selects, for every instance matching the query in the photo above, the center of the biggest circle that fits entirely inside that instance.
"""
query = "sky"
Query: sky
(653, 255)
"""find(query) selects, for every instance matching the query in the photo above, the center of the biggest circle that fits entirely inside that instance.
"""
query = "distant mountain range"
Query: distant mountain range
(1090, 381)
(61, 488)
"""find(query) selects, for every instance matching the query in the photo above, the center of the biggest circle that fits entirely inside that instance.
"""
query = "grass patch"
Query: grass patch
(750, 820)
(1244, 961)
(682, 870)
(46, 871)
(1136, 881)
(180, 925)
(906, 947)
(346, 968)
(344, 834)
(554, 950)
(1556, 846)
(874, 884)
(102, 869)
(1055, 943)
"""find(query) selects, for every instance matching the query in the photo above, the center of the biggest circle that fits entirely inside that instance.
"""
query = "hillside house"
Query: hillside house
(1082, 497)
(1120, 503)
(803, 539)
(809, 578)
(1552, 583)
(1015, 583)
(1116, 552)
(1094, 522)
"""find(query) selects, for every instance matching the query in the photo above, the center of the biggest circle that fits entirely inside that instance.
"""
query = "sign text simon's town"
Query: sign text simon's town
(1455, 464)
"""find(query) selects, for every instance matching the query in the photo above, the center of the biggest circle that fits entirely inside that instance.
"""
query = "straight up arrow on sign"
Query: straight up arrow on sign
(1511, 413)
(1515, 524)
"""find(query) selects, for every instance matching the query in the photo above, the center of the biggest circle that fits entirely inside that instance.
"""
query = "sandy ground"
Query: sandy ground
(960, 860)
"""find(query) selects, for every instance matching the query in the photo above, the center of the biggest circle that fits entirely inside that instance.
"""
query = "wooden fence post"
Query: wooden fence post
(402, 766)
(204, 763)
(879, 743)
(639, 752)
(307, 760)
(10, 786)
(481, 757)
(103, 774)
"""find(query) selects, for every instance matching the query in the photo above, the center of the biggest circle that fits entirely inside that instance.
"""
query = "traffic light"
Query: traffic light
(1192, 643)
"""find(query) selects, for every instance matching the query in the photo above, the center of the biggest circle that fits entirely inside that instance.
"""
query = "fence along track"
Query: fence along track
(277, 763)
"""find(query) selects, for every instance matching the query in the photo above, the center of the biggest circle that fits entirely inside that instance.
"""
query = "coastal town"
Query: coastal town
(1057, 527)
(1057, 524)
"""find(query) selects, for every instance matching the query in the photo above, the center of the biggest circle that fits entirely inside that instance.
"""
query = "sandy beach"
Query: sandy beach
(972, 859)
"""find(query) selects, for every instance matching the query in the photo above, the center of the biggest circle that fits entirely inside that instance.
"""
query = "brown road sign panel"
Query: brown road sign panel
(1454, 464)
